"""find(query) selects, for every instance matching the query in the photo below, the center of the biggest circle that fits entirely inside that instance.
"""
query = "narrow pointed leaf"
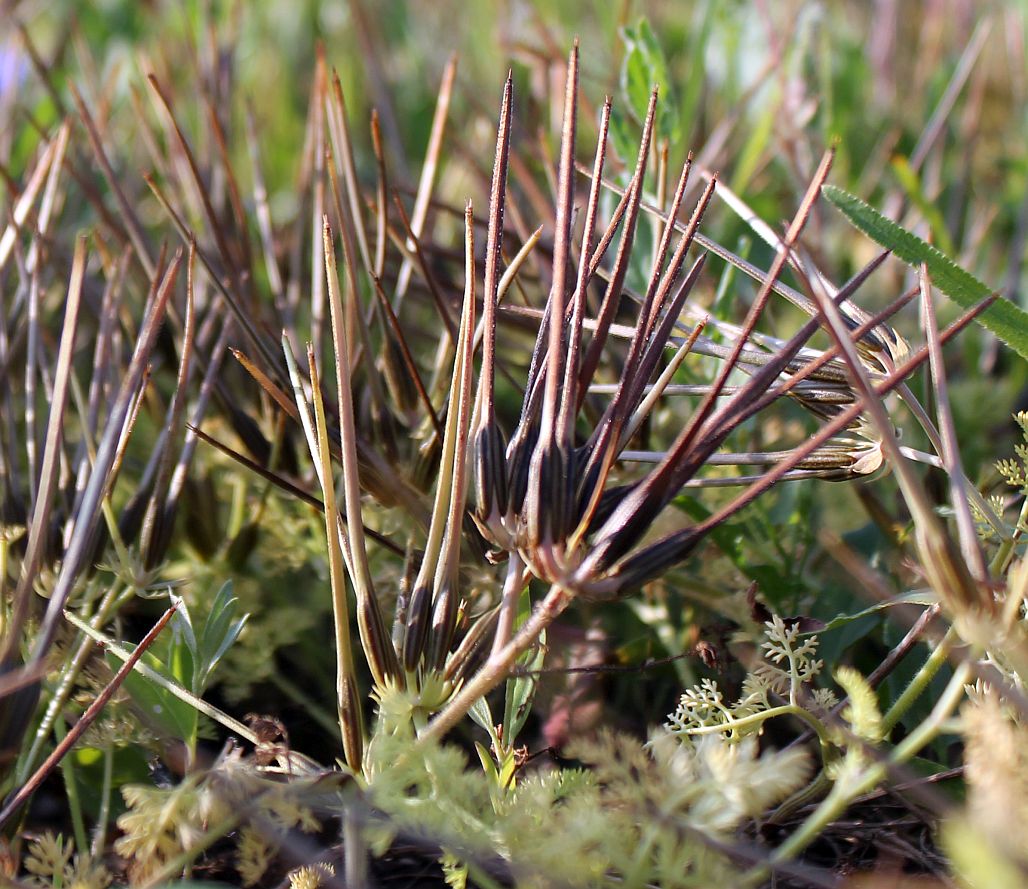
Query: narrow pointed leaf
(1003, 318)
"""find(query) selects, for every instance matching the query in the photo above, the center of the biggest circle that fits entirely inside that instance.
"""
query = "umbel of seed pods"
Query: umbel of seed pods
(548, 500)
(544, 499)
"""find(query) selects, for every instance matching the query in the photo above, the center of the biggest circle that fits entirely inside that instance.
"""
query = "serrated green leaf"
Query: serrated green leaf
(1003, 318)
(911, 184)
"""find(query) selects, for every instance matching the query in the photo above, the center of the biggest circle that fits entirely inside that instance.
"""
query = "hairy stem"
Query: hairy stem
(500, 663)
(920, 682)
(844, 792)
(1001, 561)
(513, 584)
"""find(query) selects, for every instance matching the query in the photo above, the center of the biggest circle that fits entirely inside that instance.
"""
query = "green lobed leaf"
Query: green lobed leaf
(168, 713)
(1003, 318)
(913, 597)
(482, 716)
(645, 67)
(219, 633)
(623, 135)
(521, 690)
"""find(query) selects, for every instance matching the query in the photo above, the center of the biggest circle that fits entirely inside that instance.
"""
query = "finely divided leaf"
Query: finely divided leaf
(1003, 318)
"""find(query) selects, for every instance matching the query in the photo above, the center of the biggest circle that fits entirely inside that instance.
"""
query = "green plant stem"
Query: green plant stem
(1005, 553)
(513, 584)
(755, 719)
(5, 546)
(111, 600)
(814, 790)
(481, 878)
(351, 728)
(925, 421)
(828, 754)
(237, 511)
(110, 519)
(71, 789)
(18, 799)
(100, 830)
(920, 682)
(845, 791)
(355, 851)
(911, 693)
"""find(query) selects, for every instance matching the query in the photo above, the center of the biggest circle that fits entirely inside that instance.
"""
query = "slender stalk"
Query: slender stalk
(754, 719)
(355, 850)
(929, 669)
(513, 584)
(18, 799)
(173, 688)
(101, 477)
(499, 665)
(378, 650)
(433, 587)
(455, 469)
(71, 790)
(428, 172)
(69, 675)
(48, 480)
(948, 573)
(844, 792)
(969, 543)
(1005, 553)
(348, 707)
(104, 813)
(5, 551)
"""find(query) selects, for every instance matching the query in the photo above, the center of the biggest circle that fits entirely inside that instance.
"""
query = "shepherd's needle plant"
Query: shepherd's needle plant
(416, 425)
